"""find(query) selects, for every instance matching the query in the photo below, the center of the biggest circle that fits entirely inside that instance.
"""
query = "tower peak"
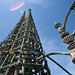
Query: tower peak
(22, 18)
(29, 10)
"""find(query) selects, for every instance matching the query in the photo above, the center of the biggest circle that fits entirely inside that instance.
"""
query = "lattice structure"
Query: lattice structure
(19, 51)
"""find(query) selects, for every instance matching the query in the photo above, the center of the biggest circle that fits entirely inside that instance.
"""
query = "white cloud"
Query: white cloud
(36, 1)
(65, 61)
(44, 3)
(4, 1)
(69, 66)
(48, 44)
(6, 4)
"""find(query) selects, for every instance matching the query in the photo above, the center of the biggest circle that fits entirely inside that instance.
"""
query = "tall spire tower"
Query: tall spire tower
(20, 50)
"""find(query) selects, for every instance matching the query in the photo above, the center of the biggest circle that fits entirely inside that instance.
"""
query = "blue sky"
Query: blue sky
(44, 13)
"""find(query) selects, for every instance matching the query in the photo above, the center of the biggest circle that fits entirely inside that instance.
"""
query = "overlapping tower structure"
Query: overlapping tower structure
(19, 51)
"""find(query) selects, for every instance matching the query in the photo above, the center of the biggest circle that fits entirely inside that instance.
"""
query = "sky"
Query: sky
(44, 13)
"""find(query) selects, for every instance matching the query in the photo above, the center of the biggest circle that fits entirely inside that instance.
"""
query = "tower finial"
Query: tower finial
(29, 10)
(22, 18)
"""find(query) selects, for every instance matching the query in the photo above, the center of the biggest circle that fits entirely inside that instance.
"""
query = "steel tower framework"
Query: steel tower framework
(20, 50)
(21, 53)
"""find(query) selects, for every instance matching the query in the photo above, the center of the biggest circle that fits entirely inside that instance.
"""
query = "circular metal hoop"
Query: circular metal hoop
(71, 8)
